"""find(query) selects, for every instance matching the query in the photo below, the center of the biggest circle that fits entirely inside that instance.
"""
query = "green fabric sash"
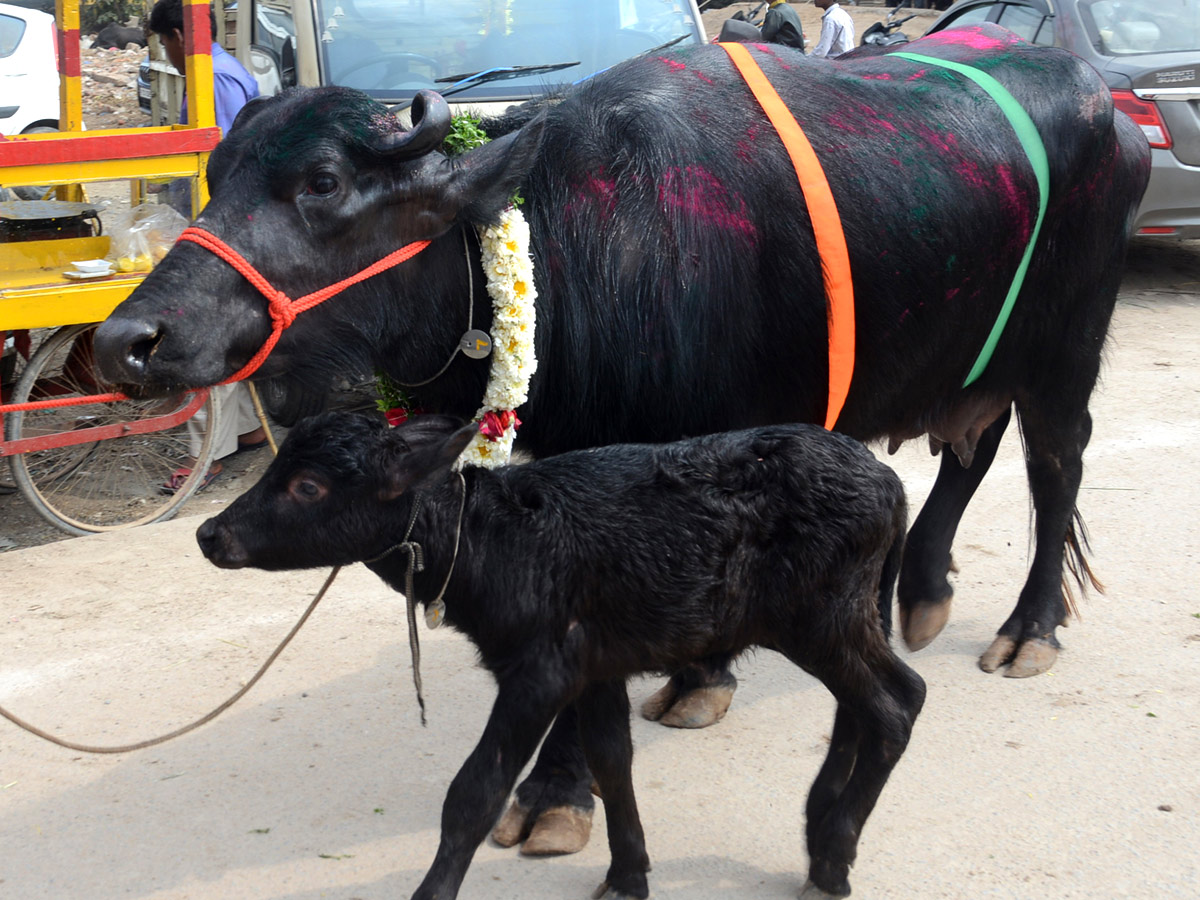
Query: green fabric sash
(1031, 141)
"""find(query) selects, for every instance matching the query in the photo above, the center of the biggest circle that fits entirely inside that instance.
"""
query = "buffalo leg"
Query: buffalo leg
(696, 696)
(878, 699)
(552, 811)
(523, 710)
(1054, 445)
(604, 731)
(924, 591)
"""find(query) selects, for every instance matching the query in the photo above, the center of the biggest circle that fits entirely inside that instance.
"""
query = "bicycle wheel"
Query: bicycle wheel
(12, 364)
(101, 485)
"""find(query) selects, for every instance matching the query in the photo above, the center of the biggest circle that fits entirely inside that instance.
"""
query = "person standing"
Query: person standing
(233, 88)
(782, 26)
(837, 30)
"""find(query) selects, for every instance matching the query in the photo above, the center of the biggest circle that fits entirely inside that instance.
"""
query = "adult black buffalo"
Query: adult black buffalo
(679, 288)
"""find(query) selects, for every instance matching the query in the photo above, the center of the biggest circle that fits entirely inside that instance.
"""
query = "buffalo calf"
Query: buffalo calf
(573, 573)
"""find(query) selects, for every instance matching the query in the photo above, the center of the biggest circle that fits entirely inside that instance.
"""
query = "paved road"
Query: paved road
(1078, 784)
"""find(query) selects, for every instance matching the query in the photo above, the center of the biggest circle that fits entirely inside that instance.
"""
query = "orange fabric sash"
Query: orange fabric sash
(826, 223)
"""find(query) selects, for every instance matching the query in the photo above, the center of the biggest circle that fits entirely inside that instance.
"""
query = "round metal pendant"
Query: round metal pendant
(476, 344)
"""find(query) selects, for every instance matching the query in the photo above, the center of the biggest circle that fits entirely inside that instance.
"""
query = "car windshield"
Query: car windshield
(393, 48)
(1128, 27)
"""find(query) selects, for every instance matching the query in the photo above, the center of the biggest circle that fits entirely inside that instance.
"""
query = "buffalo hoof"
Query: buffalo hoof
(511, 829)
(924, 621)
(660, 701)
(695, 708)
(1033, 657)
(559, 831)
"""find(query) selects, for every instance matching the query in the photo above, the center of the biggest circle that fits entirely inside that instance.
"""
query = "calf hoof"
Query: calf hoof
(924, 621)
(1032, 657)
(607, 892)
(559, 831)
(703, 706)
(811, 892)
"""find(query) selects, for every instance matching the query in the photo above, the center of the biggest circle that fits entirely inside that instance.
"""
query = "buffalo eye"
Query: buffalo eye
(322, 184)
(306, 489)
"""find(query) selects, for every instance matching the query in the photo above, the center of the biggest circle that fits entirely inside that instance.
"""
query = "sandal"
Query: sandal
(173, 484)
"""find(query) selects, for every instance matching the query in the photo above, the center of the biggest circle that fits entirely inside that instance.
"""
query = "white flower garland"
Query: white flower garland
(509, 270)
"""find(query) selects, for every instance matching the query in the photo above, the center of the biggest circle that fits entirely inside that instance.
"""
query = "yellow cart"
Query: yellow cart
(97, 463)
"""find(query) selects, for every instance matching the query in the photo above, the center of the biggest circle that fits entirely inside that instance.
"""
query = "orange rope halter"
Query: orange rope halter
(282, 308)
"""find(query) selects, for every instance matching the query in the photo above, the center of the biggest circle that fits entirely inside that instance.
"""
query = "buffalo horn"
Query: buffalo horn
(431, 124)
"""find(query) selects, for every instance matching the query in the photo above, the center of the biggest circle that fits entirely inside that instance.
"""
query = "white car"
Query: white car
(28, 71)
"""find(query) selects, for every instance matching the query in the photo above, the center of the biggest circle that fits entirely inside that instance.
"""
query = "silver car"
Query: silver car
(1148, 51)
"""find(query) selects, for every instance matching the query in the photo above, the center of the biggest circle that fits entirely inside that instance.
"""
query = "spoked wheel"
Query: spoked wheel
(113, 481)
(12, 364)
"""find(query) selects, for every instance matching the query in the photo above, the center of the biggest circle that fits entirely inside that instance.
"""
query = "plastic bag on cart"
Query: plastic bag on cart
(142, 235)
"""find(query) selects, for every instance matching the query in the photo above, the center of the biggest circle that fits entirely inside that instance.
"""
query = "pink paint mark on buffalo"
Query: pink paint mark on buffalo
(973, 38)
(769, 50)
(745, 148)
(672, 63)
(943, 141)
(704, 78)
(881, 76)
(1015, 203)
(595, 197)
(696, 194)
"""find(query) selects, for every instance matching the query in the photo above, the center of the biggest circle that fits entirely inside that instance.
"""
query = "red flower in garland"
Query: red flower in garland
(493, 424)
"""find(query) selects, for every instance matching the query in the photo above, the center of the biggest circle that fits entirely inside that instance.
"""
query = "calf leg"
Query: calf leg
(1054, 445)
(604, 731)
(878, 698)
(925, 592)
(524, 708)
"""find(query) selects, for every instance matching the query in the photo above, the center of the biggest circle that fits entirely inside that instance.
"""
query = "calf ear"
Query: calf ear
(423, 449)
(483, 181)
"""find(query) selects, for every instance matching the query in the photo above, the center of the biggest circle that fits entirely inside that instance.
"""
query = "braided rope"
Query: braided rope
(282, 308)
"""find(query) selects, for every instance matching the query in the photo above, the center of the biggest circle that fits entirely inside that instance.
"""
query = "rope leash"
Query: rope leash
(179, 732)
(416, 563)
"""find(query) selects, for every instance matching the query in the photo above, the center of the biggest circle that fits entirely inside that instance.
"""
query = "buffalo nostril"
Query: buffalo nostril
(218, 545)
(123, 348)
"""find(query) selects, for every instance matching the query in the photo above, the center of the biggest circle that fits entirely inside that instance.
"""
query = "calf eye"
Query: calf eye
(306, 490)
(322, 184)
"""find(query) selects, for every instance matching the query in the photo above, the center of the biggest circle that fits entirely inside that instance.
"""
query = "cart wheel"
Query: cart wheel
(12, 364)
(108, 484)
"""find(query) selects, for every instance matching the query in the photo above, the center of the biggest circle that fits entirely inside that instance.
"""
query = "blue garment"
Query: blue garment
(233, 88)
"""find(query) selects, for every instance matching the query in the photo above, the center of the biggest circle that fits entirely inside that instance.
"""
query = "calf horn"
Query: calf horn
(431, 124)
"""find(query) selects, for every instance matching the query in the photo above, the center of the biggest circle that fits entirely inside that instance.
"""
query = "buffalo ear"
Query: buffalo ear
(425, 447)
(484, 180)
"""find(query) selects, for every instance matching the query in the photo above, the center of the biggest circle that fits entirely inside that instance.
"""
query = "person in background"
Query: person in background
(837, 30)
(782, 26)
(233, 88)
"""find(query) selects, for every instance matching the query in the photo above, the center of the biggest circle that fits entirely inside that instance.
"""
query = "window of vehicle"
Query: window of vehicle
(973, 16)
(1028, 23)
(397, 47)
(1142, 26)
(12, 30)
